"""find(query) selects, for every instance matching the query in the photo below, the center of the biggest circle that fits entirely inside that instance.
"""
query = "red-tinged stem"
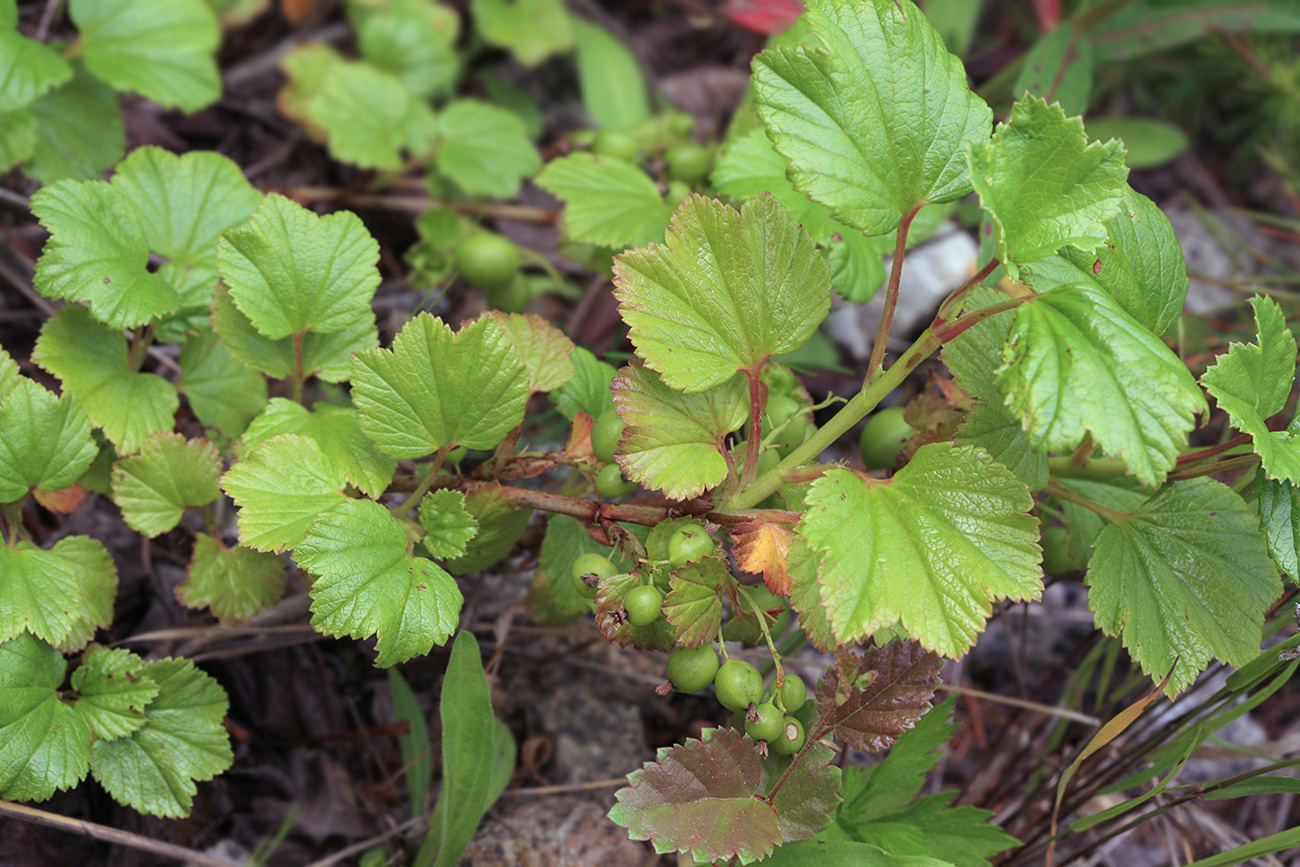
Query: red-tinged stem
(950, 330)
(1195, 471)
(1061, 492)
(891, 294)
(812, 738)
(958, 293)
(1213, 451)
(757, 403)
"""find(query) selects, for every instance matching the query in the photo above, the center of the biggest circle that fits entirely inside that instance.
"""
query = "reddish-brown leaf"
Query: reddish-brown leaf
(763, 548)
(869, 700)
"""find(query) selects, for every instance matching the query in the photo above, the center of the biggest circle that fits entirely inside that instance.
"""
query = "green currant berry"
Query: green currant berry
(1056, 551)
(738, 684)
(793, 692)
(782, 409)
(768, 725)
(677, 193)
(610, 483)
(883, 438)
(688, 544)
(514, 298)
(615, 143)
(690, 669)
(590, 563)
(644, 604)
(791, 738)
(605, 434)
(488, 261)
(688, 162)
(681, 125)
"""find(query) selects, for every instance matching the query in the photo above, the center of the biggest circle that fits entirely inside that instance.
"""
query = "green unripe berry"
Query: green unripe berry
(883, 438)
(738, 684)
(488, 261)
(688, 544)
(677, 193)
(768, 726)
(590, 563)
(682, 125)
(610, 482)
(605, 434)
(782, 409)
(615, 143)
(793, 692)
(514, 298)
(690, 669)
(688, 162)
(644, 604)
(791, 738)
(1056, 551)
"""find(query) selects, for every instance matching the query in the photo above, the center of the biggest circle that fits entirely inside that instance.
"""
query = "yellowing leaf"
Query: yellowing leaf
(763, 547)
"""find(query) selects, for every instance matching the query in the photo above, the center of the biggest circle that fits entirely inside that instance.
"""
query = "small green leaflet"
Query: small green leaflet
(606, 201)
(337, 431)
(532, 30)
(543, 348)
(161, 49)
(61, 595)
(1076, 363)
(414, 40)
(449, 524)
(1253, 381)
(92, 363)
(609, 74)
(751, 165)
(726, 291)
(484, 149)
(992, 427)
(17, 137)
(1184, 577)
(170, 474)
(500, 524)
(182, 742)
(934, 547)
(291, 271)
(10, 375)
(325, 356)
(112, 693)
(588, 390)
(27, 70)
(235, 583)
(693, 605)
(45, 440)
(876, 117)
(223, 392)
(434, 389)
(369, 584)
(1279, 518)
(281, 489)
(674, 441)
(1045, 185)
(44, 743)
(80, 132)
(1141, 264)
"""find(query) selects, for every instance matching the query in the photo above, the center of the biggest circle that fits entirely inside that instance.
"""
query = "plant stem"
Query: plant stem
(140, 343)
(891, 294)
(1214, 468)
(419, 204)
(757, 403)
(956, 295)
(1093, 468)
(1061, 492)
(425, 484)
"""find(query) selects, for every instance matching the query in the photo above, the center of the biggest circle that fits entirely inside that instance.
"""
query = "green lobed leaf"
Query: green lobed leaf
(811, 792)
(698, 798)
(325, 356)
(500, 524)
(59, 594)
(337, 431)
(1075, 363)
(991, 426)
(93, 364)
(751, 165)
(1252, 381)
(434, 389)
(161, 49)
(675, 441)
(484, 149)
(609, 75)
(414, 40)
(588, 389)
(933, 547)
(291, 271)
(112, 693)
(449, 523)
(542, 347)
(870, 700)
(1185, 577)
(693, 606)
(98, 254)
(80, 132)
(1044, 185)
(223, 392)
(962, 836)
(725, 292)
(803, 564)
(235, 583)
(1141, 264)
(169, 475)
(27, 70)
(281, 489)
(606, 200)
(17, 137)
(185, 202)
(44, 743)
(367, 583)
(1279, 518)
(875, 115)
(532, 30)
(1059, 69)
(182, 742)
(45, 440)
